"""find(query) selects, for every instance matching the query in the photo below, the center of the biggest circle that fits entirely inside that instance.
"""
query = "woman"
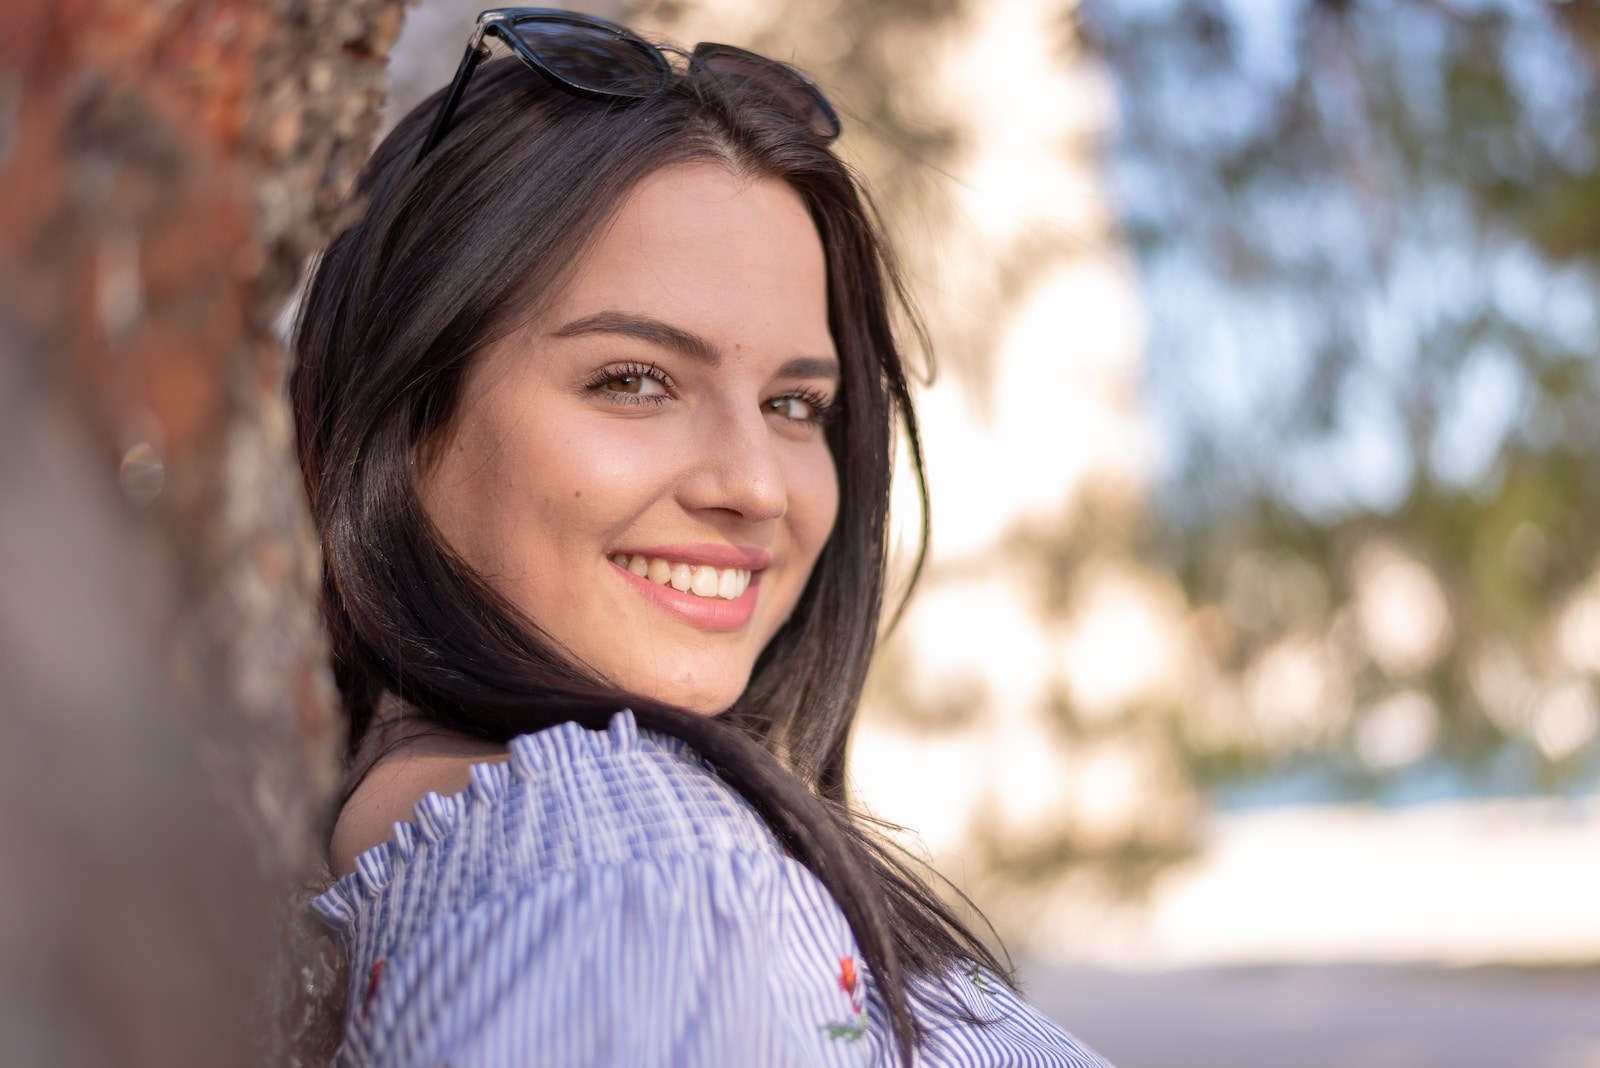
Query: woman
(595, 406)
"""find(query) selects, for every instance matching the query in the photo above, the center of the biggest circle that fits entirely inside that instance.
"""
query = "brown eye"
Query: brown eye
(801, 408)
(631, 383)
(796, 408)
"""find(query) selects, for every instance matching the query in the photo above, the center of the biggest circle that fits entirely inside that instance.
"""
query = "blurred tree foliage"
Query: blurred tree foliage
(1369, 232)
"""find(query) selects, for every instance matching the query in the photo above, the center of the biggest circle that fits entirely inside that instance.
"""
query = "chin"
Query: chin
(706, 704)
(697, 696)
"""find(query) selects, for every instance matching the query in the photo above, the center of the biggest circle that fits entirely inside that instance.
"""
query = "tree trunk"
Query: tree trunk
(165, 168)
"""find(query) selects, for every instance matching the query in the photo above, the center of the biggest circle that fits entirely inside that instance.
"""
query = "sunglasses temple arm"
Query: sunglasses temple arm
(458, 88)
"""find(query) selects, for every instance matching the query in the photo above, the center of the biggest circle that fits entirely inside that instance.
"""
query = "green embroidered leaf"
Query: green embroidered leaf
(852, 1031)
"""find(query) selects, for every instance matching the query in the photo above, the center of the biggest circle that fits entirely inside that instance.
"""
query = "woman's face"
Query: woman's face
(643, 471)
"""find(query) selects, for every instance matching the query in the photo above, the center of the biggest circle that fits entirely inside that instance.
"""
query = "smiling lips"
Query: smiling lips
(702, 580)
(708, 587)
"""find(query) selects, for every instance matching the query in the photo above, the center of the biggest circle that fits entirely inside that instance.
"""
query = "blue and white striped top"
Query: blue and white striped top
(603, 898)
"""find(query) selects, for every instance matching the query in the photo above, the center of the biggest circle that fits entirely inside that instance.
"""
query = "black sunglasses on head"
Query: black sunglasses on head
(589, 56)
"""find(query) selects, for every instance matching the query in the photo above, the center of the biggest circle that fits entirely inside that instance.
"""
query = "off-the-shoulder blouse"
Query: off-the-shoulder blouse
(603, 898)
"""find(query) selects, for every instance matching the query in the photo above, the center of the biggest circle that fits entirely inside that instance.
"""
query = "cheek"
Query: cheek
(587, 483)
(601, 476)
(814, 500)
(511, 489)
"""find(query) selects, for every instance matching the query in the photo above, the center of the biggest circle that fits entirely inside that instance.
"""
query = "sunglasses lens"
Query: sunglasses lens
(595, 60)
(788, 87)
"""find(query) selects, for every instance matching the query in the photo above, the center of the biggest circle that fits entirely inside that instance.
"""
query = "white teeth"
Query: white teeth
(705, 581)
(699, 579)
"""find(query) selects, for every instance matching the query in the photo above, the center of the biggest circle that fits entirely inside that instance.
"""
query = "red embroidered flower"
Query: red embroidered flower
(372, 985)
(854, 1028)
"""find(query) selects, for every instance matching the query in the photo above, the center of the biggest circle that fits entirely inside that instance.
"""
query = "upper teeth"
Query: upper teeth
(698, 579)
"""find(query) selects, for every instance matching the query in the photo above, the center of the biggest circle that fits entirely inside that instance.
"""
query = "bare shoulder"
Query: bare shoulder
(427, 763)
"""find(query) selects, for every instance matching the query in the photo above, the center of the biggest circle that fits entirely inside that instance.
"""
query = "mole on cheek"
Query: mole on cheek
(577, 493)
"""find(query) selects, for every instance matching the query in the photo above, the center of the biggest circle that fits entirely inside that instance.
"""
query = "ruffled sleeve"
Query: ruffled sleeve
(689, 961)
(603, 898)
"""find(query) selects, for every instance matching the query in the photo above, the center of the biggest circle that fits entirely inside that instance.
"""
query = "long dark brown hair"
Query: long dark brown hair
(448, 257)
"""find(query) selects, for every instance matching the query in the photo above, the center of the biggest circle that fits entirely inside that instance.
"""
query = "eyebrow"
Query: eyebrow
(690, 345)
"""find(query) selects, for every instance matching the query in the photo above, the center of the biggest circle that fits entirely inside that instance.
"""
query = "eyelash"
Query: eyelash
(825, 407)
(597, 382)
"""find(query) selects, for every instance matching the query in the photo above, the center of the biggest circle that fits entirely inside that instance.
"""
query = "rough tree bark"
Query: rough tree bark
(165, 168)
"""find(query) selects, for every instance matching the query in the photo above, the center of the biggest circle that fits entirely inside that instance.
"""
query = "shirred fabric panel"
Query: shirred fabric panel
(602, 897)
(688, 961)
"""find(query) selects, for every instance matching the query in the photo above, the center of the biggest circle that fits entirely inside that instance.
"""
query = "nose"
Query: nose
(737, 468)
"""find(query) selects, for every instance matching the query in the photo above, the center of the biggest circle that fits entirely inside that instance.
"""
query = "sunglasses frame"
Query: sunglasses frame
(502, 23)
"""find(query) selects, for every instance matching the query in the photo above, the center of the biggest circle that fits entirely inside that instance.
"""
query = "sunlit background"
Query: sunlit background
(1251, 685)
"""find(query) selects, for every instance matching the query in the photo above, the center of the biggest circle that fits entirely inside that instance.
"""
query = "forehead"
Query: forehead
(735, 259)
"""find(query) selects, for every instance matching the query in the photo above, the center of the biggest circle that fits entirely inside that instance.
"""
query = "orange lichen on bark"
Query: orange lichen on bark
(121, 214)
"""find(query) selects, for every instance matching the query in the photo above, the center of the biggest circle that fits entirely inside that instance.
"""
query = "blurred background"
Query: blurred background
(1251, 686)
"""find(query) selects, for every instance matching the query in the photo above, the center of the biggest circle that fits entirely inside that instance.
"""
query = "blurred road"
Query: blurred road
(1346, 1016)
